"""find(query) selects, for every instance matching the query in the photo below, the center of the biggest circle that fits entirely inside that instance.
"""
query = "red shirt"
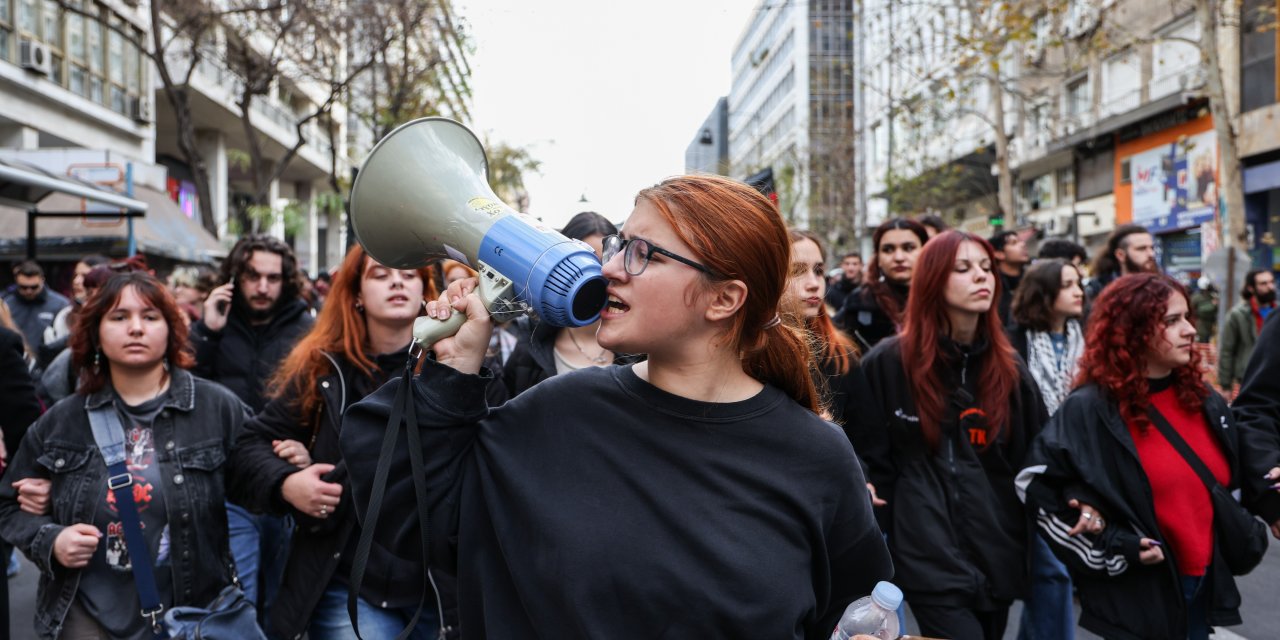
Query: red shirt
(1183, 509)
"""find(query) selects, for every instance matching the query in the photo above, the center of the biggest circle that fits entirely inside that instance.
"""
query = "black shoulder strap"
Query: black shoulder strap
(1183, 448)
(402, 412)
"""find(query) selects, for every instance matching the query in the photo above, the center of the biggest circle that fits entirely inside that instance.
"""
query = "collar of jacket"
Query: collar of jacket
(288, 312)
(181, 394)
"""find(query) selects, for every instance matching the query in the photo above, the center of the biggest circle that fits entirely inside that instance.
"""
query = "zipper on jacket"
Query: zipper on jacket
(964, 367)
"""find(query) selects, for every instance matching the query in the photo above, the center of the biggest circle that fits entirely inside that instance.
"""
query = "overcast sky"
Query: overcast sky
(607, 95)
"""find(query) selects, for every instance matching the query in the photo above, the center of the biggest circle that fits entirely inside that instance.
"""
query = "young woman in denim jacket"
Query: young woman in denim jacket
(129, 344)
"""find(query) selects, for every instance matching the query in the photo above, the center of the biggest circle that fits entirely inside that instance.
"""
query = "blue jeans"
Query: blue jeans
(1197, 608)
(330, 620)
(1047, 614)
(260, 547)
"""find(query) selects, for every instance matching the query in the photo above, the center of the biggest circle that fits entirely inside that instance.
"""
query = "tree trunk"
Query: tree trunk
(1230, 172)
(1005, 197)
(180, 101)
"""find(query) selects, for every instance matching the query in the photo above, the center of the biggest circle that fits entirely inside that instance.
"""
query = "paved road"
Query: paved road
(1260, 613)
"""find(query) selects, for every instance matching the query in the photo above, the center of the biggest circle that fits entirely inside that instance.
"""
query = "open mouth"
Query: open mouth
(616, 305)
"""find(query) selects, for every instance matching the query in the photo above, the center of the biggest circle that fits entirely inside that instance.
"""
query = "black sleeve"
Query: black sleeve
(867, 425)
(256, 473)
(1051, 479)
(1257, 415)
(858, 555)
(448, 404)
(33, 534)
(205, 343)
(18, 404)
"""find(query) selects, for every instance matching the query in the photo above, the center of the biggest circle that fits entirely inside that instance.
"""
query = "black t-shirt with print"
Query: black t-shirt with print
(107, 589)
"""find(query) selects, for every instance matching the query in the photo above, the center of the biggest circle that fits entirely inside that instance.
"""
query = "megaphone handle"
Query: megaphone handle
(493, 287)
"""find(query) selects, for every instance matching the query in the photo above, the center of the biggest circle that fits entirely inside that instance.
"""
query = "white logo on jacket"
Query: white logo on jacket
(903, 415)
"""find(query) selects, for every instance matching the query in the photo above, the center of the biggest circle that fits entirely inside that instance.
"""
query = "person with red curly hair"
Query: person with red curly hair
(1118, 503)
(954, 416)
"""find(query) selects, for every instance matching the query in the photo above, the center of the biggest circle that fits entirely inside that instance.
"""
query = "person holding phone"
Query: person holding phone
(247, 328)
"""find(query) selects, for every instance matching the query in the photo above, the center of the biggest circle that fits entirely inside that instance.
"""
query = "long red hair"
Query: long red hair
(1124, 321)
(339, 330)
(833, 345)
(926, 324)
(738, 233)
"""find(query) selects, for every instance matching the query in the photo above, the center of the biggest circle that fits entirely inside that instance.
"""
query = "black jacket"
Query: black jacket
(1257, 407)
(242, 357)
(838, 292)
(197, 426)
(322, 549)
(956, 529)
(1086, 453)
(18, 404)
(533, 359)
(862, 318)
(32, 316)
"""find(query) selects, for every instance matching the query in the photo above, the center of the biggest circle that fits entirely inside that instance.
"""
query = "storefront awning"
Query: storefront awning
(24, 186)
(60, 233)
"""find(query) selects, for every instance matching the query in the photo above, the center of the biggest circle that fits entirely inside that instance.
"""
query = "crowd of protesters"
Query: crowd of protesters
(753, 434)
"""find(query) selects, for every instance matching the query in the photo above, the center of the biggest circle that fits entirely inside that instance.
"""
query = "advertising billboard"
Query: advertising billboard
(1175, 185)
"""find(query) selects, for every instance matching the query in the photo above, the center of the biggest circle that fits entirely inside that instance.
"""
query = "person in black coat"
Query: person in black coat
(955, 414)
(18, 409)
(1257, 406)
(289, 461)
(873, 311)
(1118, 503)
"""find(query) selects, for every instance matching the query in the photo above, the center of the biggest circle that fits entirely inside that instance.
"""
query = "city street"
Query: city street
(1261, 617)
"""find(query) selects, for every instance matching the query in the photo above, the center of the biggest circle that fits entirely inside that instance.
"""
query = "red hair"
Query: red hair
(926, 324)
(1124, 321)
(340, 330)
(739, 234)
(833, 345)
(84, 336)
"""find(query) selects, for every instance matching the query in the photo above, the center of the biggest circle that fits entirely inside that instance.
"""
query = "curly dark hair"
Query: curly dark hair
(1033, 300)
(1123, 322)
(237, 261)
(84, 337)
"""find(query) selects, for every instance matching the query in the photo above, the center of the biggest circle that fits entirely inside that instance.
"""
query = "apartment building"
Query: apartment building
(791, 108)
(83, 102)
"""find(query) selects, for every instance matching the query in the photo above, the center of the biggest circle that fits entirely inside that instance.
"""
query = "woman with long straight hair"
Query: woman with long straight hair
(874, 311)
(957, 411)
(693, 495)
(290, 462)
(1118, 503)
(130, 345)
(835, 354)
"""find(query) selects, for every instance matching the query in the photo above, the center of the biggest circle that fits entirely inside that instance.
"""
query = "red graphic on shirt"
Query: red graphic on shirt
(977, 435)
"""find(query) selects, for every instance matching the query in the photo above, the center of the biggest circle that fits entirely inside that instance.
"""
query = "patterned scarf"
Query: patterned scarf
(1054, 375)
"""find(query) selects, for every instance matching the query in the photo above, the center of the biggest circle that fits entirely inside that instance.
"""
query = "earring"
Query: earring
(359, 307)
(97, 362)
(424, 307)
(165, 364)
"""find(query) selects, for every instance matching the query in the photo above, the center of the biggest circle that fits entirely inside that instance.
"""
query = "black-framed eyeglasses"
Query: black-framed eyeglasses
(637, 251)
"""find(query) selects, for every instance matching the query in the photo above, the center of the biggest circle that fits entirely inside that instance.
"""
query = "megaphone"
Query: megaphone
(424, 194)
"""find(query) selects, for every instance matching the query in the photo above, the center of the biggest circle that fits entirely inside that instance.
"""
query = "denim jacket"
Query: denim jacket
(193, 434)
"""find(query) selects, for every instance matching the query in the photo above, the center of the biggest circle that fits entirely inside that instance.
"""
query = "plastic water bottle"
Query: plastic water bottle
(874, 615)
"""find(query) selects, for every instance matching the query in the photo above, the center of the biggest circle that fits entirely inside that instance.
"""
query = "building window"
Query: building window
(1078, 98)
(1121, 83)
(6, 31)
(1175, 65)
(1258, 55)
(28, 18)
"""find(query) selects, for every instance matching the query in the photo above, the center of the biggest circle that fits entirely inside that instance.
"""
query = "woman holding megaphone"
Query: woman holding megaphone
(692, 495)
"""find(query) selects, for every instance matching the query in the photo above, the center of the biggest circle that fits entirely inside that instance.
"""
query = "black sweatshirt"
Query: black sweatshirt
(595, 505)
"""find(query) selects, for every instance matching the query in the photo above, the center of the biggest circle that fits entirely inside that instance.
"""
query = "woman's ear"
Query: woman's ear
(727, 298)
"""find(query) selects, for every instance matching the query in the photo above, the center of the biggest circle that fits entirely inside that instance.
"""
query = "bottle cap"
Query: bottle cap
(887, 595)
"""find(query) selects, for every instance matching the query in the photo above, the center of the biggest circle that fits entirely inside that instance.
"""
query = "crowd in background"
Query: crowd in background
(1017, 428)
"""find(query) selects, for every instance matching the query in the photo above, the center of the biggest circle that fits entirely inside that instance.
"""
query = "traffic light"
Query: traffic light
(997, 220)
